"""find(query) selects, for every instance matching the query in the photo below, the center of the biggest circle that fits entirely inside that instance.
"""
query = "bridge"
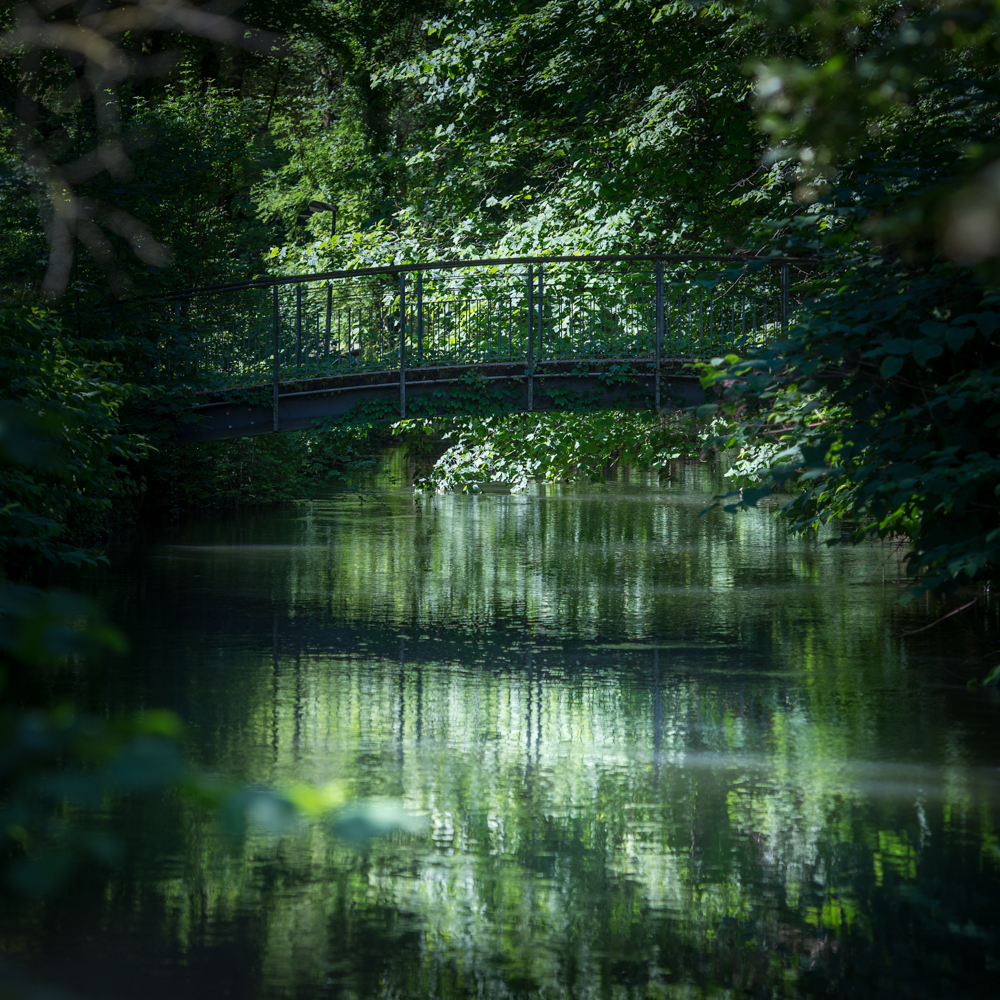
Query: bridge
(457, 337)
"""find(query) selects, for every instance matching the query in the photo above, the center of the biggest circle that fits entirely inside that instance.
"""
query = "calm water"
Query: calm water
(657, 754)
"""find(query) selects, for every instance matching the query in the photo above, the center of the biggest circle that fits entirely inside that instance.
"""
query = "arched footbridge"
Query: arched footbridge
(463, 337)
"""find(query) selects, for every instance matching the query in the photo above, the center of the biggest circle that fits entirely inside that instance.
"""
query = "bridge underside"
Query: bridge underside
(460, 390)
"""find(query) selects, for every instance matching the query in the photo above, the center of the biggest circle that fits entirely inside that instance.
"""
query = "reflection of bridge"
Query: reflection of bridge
(456, 337)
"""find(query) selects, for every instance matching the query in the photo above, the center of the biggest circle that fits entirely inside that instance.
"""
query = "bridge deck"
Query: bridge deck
(457, 390)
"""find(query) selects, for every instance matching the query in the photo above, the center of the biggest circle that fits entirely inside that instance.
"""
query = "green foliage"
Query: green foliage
(195, 156)
(879, 408)
(553, 447)
(453, 129)
(57, 763)
(62, 768)
(340, 135)
(899, 106)
(555, 127)
(581, 122)
(192, 184)
(261, 470)
(882, 412)
(62, 450)
(150, 166)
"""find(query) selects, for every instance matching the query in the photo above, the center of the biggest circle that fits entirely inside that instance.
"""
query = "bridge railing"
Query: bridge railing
(524, 310)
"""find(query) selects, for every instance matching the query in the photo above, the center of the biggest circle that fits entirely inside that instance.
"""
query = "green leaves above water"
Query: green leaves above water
(880, 411)
(522, 448)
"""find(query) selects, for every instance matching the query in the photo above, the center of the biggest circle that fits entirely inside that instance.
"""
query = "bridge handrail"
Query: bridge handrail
(441, 265)
(281, 327)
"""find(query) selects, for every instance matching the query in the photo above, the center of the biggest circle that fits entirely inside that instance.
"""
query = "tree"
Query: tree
(65, 69)
(880, 408)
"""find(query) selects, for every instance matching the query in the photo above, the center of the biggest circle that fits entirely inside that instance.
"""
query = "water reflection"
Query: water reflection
(658, 753)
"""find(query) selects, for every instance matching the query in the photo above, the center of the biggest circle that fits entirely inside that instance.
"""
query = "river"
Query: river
(644, 752)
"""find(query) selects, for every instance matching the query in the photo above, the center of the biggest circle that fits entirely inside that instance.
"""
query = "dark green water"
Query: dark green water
(658, 755)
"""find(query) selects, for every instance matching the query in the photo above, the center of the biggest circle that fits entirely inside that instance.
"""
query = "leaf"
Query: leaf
(898, 345)
(992, 679)
(891, 366)
(988, 322)
(313, 800)
(958, 335)
(161, 722)
(925, 350)
(749, 497)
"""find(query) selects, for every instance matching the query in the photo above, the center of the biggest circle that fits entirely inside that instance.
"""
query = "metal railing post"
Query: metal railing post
(659, 327)
(276, 322)
(329, 315)
(531, 339)
(420, 314)
(784, 299)
(541, 307)
(298, 327)
(402, 345)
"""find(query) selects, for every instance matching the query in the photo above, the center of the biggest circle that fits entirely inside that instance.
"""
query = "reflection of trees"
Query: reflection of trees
(681, 807)
(560, 837)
